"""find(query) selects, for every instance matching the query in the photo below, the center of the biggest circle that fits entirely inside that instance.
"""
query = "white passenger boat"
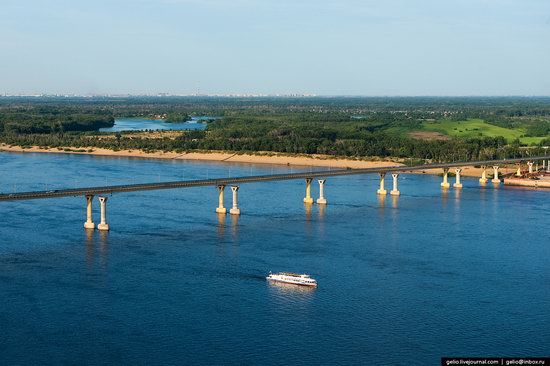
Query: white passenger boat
(292, 278)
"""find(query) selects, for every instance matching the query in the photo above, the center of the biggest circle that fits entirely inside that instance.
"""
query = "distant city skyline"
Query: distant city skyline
(301, 47)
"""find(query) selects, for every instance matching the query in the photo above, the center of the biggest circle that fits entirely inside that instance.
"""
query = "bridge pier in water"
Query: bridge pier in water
(90, 192)
(307, 198)
(89, 224)
(321, 200)
(445, 184)
(495, 179)
(103, 226)
(457, 183)
(518, 172)
(382, 191)
(483, 179)
(395, 191)
(221, 209)
(235, 209)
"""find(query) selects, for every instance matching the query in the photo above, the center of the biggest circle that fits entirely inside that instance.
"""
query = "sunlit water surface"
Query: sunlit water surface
(401, 280)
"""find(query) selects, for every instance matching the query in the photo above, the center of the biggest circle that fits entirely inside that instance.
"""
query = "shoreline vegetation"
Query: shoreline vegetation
(294, 160)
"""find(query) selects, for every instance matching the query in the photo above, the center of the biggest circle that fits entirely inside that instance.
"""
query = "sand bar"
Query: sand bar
(261, 158)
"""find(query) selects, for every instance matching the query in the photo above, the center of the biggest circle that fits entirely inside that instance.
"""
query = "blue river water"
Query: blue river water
(140, 124)
(401, 280)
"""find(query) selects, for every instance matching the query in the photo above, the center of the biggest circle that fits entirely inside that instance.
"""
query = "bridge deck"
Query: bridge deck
(242, 180)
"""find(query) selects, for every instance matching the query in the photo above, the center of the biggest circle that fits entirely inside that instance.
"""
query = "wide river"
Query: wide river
(401, 281)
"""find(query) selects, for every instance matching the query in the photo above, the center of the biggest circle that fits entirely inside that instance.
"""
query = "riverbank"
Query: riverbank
(543, 181)
(260, 158)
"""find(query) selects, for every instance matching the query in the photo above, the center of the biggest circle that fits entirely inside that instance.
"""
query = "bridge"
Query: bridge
(221, 183)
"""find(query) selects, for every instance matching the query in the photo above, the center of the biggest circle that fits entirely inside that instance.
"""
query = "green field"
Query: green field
(478, 128)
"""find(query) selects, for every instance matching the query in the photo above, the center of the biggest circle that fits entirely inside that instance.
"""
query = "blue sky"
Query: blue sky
(345, 47)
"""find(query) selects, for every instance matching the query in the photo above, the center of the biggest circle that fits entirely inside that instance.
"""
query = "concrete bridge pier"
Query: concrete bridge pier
(321, 200)
(495, 179)
(445, 184)
(543, 164)
(530, 164)
(382, 191)
(103, 226)
(518, 172)
(235, 209)
(483, 179)
(457, 183)
(548, 166)
(89, 224)
(221, 209)
(395, 191)
(307, 198)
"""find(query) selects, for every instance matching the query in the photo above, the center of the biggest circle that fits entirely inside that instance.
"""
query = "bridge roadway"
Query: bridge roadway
(249, 179)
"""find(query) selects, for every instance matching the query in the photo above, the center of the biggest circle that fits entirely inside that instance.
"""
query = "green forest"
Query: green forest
(434, 129)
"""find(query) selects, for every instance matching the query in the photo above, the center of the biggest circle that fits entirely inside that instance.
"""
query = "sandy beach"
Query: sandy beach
(261, 158)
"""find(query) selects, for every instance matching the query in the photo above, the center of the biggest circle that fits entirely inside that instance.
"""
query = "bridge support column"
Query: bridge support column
(395, 191)
(103, 226)
(221, 209)
(457, 183)
(445, 183)
(530, 164)
(537, 167)
(89, 224)
(382, 191)
(495, 179)
(235, 209)
(543, 164)
(307, 198)
(518, 172)
(483, 179)
(548, 166)
(321, 200)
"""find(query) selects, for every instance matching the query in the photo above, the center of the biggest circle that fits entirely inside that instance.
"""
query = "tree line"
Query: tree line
(345, 127)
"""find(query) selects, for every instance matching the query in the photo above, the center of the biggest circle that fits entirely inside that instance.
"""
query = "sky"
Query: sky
(341, 47)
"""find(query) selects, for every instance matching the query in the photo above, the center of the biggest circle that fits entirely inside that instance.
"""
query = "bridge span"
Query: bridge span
(221, 183)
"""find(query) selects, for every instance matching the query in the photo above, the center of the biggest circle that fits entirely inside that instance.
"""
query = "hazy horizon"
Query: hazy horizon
(432, 48)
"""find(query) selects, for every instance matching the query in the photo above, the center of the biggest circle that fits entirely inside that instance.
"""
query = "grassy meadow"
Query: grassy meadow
(479, 128)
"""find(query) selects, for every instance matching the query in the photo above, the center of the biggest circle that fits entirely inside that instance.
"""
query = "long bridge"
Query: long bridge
(221, 183)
